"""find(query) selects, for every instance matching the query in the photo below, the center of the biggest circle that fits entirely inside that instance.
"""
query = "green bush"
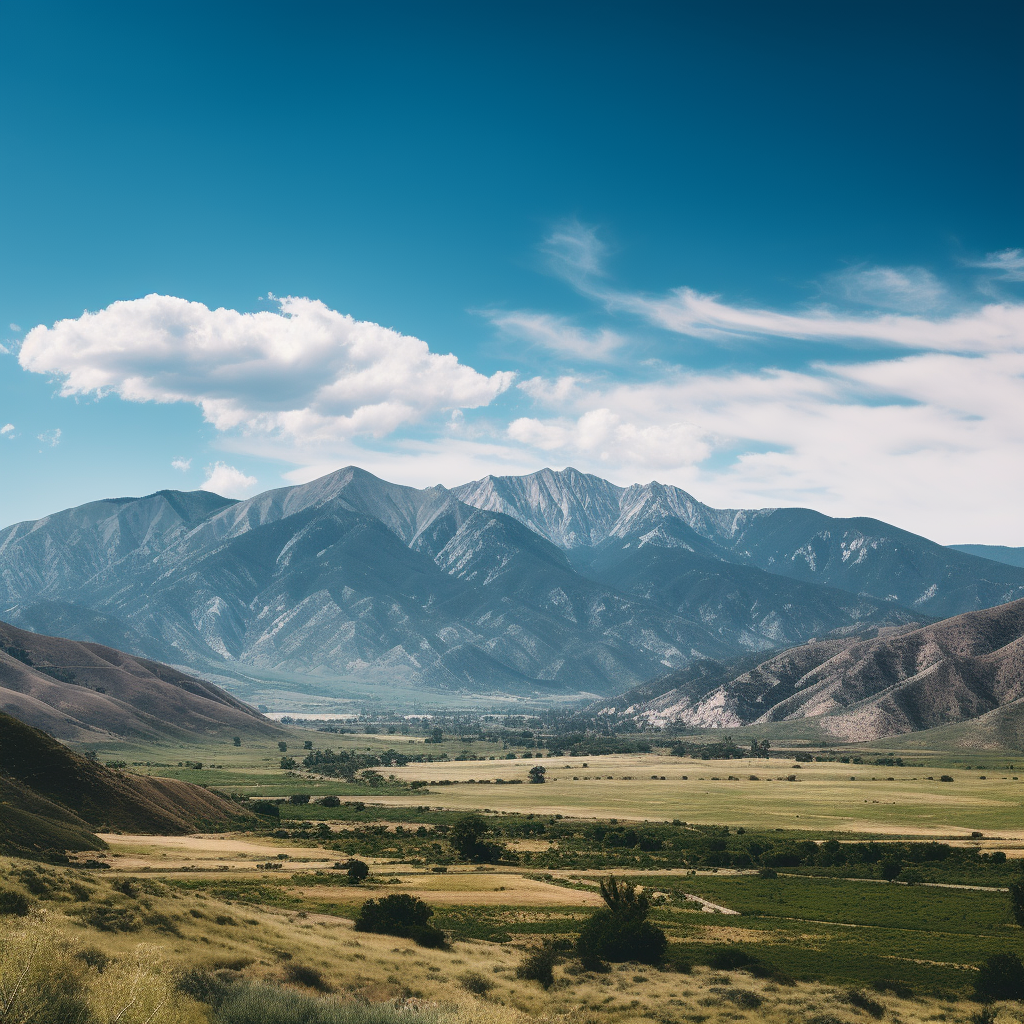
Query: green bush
(402, 915)
(311, 977)
(538, 965)
(1000, 977)
(267, 808)
(620, 931)
(357, 870)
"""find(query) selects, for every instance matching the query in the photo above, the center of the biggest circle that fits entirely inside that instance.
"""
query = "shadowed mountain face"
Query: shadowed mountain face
(995, 552)
(603, 526)
(51, 799)
(903, 680)
(350, 576)
(85, 692)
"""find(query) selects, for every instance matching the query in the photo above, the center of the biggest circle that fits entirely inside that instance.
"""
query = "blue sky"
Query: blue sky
(769, 253)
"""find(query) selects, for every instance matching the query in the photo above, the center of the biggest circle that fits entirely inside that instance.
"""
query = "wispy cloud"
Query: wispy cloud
(50, 437)
(905, 289)
(1008, 264)
(184, 465)
(7, 430)
(557, 334)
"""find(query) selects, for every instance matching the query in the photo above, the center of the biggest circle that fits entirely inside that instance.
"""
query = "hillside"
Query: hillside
(966, 669)
(995, 552)
(87, 692)
(350, 577)
(55, 799)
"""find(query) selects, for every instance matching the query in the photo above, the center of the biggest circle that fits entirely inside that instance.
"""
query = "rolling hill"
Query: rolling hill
(86, 692)
(52, 799)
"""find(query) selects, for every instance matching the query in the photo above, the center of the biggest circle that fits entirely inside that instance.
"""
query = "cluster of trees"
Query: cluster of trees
(345, 764)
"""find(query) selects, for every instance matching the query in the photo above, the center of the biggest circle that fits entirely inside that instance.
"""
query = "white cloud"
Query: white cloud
(557, 334)
(1009, 264)
(15, 328)
(574, 251)
(308, 372)
(50, 437)
(228, 481)
(906, 289)
(550, 392)
(7, 430)
(181, 464)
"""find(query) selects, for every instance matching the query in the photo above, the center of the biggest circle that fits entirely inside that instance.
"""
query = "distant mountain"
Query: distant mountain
(85, 692)
(356, 578)
(52, 799)
(996, 552)
(901, 681)
(599, 524)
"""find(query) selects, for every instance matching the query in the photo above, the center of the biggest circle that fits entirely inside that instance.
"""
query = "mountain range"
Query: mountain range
(965, 668)
(556, 581)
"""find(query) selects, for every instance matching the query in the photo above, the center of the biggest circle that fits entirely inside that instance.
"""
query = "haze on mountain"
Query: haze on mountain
(557, 581)
(965, 669)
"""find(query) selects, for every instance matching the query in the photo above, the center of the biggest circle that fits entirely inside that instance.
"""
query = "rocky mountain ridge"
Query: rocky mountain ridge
(903, 680)
(558, 581)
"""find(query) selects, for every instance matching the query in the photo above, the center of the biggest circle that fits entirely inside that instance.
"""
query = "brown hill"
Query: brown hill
(54, 799)
(954, 671)
(86, 692)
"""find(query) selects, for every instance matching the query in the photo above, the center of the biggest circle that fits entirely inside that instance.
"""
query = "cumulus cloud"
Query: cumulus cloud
(228, 481)
(306, 372)
(50, 437)
(181, 464)
(557, 334)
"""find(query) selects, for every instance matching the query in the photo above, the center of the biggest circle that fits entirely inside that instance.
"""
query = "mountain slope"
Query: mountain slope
(995, 552)
(590, 517)
(81, 691)
(52, 798)
(902, 681)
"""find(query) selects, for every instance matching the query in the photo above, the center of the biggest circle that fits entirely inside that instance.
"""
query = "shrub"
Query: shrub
(767, 873)
(311, 977)
(299, 798)
(473, 981)
(282, 746)
(465, 837)
(109, 918)
(13, 902)
(267, 808)
(538, 965)
(330, 801)
(402, 915)
(1000, 977)
(864, 1002)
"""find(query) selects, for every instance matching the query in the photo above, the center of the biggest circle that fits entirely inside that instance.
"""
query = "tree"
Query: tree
(537, 965)
(356, 870)
(890, 868)
(402, 915)
(282, 746)
(466, 839)
(620, 931)
(307, 744)
(287, 762)
(537, 773)
(267, 808)
(237, 740)
(436, 734)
